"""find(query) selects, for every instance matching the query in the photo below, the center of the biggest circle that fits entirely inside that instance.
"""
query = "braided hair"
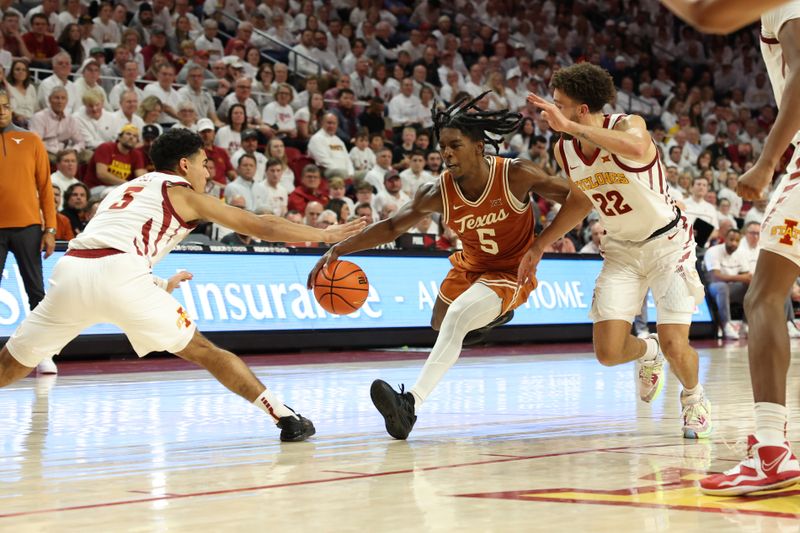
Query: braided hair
(465, 116)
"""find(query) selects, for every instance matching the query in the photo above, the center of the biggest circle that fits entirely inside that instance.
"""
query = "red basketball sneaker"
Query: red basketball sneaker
(767, 467)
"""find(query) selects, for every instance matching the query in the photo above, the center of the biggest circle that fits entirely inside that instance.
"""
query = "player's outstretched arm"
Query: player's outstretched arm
(552, 187)
(753, 182)
(629, 138)
(720, 16)
(191, 205)
(574, 209)
(428, 199)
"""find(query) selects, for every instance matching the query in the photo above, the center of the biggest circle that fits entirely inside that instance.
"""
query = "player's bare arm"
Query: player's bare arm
(629, 138)
(524, 177)
(787, 123)
(191, 205)
(428, 199)
(720, 16)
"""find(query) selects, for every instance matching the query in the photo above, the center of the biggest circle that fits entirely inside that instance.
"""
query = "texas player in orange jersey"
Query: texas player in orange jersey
(486, 201)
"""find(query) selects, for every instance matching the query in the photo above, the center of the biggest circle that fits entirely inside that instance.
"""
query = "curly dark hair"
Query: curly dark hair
(465, 116)
(587, 84)
(173, 146)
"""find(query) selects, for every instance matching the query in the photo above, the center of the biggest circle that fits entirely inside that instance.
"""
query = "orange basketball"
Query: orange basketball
(341, 288)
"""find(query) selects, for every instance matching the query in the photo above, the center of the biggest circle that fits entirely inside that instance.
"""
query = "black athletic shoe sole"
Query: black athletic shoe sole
(477, 336)
(297, 430)
(388, 403)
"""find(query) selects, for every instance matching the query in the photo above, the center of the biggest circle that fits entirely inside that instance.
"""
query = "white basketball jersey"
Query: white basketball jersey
(633, 200)
(771, 24)
(137, 217)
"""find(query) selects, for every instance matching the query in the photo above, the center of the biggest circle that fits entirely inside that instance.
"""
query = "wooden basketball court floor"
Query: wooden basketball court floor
(511, 440)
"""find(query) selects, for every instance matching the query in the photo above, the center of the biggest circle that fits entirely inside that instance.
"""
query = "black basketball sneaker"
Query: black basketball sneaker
(295, 429)
(397, 408)
(476, 336)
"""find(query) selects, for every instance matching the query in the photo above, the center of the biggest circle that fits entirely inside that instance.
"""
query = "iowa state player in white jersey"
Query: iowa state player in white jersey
(486, 201)
(614, 167)
(770, 463)
(105, 276)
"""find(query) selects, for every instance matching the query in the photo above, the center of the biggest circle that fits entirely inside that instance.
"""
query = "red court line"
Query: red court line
(315, 481)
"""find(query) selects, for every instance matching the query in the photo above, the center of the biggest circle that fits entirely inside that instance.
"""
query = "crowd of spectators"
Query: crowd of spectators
(319, 111)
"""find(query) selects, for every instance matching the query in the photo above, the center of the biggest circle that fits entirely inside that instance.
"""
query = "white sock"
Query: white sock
(771, 423)
(473, 309)
(651, 349)
(696, 390)
(270, 404)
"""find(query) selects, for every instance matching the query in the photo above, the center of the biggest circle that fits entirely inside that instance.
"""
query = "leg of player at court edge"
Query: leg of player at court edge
(682, 358)
(768, 342)
(232, 372)
(614, 344)
(474, 308)
(10, 369)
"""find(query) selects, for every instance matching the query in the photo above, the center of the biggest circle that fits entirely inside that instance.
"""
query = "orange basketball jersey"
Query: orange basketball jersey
(495, 230)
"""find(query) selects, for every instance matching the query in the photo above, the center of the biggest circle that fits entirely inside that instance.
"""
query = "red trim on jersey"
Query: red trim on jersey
(136, 245)
(565, 163)
(650, 174)
(623, 166)
(146, 227)
(165, 222)
(768, 40)
(169, 205)
(590, 161)
(660, 178)
(94, 253)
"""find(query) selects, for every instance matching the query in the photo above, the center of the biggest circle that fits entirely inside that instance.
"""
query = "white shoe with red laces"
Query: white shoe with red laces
(767, 467)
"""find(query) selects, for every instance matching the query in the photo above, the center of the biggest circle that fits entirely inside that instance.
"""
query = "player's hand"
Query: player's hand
(554, 117)
(330, 256)
(526, 273)
(177, 279)
(48, 245)
(753, 182)
(339, 232)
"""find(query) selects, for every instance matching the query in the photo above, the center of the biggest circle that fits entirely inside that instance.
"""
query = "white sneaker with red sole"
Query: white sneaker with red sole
(767, 467)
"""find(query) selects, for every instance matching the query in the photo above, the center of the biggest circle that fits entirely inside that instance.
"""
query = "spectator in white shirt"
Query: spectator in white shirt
(383, 164)
(728, 278)
(130, 73)
(392, 197)
(329, 151)
(405, 108)
(62, 66)
(166, 93)
(593, 246)
(243, 184)
(250, 147)
(278, 116)
(66, 170)
(269, 196)
(475, 84)
(415, 175)
(89, 82)
(106, 32)
(97, 126)
(304, 54)
(187, 116)
(209, 40)
(128, 104)
(698, 207)
(757, 212)
(361, 154)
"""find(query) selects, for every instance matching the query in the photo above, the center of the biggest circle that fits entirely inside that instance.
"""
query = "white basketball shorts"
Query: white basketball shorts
(780, 231)
(117, 289)
(666, 265)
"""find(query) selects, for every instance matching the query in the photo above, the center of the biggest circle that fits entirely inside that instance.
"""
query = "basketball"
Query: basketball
(341, 288)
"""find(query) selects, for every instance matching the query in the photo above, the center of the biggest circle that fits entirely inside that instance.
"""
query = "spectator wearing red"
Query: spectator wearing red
(41, 46)
(158, 45)
(114, 163)
(223, 169)
(308, 190)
